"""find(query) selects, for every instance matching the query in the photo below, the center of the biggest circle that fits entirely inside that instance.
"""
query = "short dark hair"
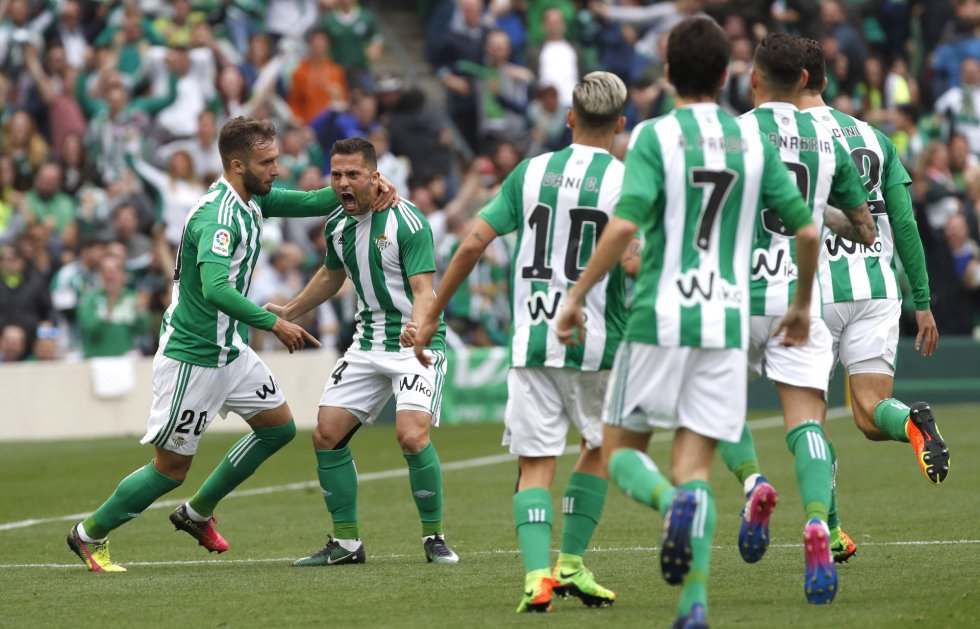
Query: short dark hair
(356, 146)
(779, 59)
(240, 134)
(698, 54)
(815, 63)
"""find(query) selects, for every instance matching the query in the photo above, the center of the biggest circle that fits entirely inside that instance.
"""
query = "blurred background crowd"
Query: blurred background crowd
(109, 114)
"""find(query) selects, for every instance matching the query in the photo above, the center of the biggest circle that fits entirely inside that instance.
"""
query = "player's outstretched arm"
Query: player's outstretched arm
(855, 224)
(322, 286)
(796, 321)
(218, 292)
(295, 204)
(469, 251)
(615, 240)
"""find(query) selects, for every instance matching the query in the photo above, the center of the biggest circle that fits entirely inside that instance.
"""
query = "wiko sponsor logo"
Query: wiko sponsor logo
(266, 390)
(838, 247)
(705, 287)
(543, 305)
(415, 384)
(768, 265)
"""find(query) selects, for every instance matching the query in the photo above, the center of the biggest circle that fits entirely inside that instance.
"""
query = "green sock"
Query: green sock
(640, 479)
(813, 471)
(740, 457)
(702, 533)
(833, 517)
(135, 493)
(582, 508)
(242, 460)
(890, 418)
(425, 478)
(532, 517)
(338, 482)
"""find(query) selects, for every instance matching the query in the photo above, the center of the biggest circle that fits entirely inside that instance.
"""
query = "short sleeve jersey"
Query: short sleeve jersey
(851, 271)
(559, 203)
(824, 173)
(379, 252)
(696, 180)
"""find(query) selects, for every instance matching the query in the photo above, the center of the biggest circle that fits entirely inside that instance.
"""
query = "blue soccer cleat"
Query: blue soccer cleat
(820, 584)
(675, 545)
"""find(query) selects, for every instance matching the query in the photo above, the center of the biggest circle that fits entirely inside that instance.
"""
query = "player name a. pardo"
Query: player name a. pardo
(797, 143)
(729, 144)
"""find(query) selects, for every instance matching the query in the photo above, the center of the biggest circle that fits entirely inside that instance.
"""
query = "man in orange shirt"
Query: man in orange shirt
(317, 81)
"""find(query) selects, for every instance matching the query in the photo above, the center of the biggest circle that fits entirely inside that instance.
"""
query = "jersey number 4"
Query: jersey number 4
(540, 223)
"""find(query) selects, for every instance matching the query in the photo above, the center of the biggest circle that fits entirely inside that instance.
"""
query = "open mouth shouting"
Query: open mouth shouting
(348, 201)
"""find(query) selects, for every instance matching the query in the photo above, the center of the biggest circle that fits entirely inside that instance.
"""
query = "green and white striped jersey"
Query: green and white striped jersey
(696, 180)
(559, 203)
(851, 271)
(223, 229)
(379, 251)
(824, 174)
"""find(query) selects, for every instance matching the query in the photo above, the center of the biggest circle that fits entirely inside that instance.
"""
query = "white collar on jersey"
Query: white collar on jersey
(776, 104)
(231, 189)
(586, 147)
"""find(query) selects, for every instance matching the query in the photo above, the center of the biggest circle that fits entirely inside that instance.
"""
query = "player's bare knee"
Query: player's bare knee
(412, 439)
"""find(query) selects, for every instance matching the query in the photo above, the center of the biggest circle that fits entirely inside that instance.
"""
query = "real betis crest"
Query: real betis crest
(382, 242)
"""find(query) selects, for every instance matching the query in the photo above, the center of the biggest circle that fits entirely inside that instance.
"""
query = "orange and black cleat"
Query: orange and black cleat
(930, 449)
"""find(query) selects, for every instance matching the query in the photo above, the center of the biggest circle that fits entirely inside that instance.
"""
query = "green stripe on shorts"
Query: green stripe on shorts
(440, 368)
(183, 376)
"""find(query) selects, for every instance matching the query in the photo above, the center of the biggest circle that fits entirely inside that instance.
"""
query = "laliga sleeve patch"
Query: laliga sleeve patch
(222, 243)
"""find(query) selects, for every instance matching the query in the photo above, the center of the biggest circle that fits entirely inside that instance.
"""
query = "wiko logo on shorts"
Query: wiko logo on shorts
(266, 391)
(417, 384)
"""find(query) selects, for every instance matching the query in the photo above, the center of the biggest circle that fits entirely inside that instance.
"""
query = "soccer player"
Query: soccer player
(558, 203)
(861, 295)
(824, 173)
(388, 255)
(204, 365)
(695, 182)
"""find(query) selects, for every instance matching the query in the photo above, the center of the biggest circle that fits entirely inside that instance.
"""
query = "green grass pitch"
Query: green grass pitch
(918, 561)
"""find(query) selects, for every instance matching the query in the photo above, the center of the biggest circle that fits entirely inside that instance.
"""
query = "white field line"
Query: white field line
(476, 553)
(483, 461)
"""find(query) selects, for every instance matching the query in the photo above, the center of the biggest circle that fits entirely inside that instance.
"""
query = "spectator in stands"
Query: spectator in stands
(13, 343)
(463, 42)
(177, 190)
(18, 30)
(24, 299)
(55, 84)
(656, 20)
(128, 40)
(177, 26)
(202, 148)
(833, 20)
(139, 246)
(71, 32)
(421, 135)
(195, 70)
(909, 140)
(556, 61)
(111, 318)
(76, 168)
(961, 104)
(960, 160)
(965, 251)
(502, 90)
(737, 94)
(297, 151)
(549, 131)
(71, 280)
(333, 124)
(933, 186)
(317, 83)
(289, 18)
(25, 146)
(45, 343)
(356, 40)
(46, 203)
(12, 221)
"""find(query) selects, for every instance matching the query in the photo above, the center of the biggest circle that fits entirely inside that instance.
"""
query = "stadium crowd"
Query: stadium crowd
(109, 113)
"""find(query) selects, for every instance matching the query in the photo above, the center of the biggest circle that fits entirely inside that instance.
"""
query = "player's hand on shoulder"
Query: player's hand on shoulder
(294, 337)
(386, 195)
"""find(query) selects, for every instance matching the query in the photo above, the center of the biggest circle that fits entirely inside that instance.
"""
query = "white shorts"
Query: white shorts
(186, 398)
(807, 366)
(543, 401)
(703, 390)
(363, 381)
(865, 334)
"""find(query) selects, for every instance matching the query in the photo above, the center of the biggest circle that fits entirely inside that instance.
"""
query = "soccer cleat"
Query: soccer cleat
(820, 584)
(203, 532)
(697, 618)
(95, 555)
(334, 554)
(753, 536)
(930, 449)
(437, 551)
(537, 594)
(675, 544)
(842, 546)
(581, 584)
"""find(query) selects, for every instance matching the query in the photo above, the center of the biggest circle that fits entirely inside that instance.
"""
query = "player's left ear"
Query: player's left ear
(570, 118)
(804, 78)
(237, 166)
(620, 124)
